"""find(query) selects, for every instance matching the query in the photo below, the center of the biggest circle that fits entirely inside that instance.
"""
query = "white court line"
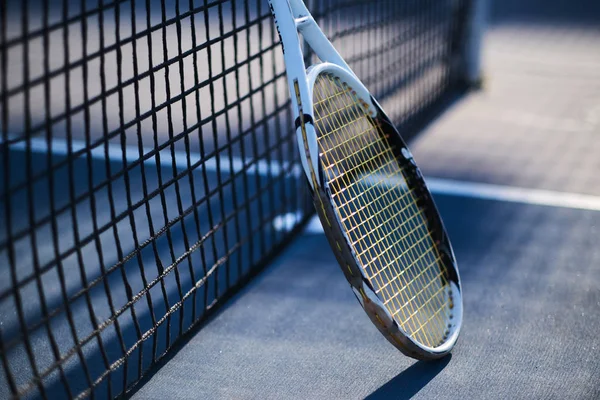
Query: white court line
(115, 153)
(484, 191)
(473, 190)
(511, 194)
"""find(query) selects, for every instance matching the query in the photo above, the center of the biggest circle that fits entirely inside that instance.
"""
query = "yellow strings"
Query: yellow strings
(387, 229)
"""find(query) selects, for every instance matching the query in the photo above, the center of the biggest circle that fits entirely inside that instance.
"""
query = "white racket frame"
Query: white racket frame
(292, 17)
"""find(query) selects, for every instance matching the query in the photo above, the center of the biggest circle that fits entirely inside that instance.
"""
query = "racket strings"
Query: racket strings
(411, 314)
(379, 213)
(363, 251)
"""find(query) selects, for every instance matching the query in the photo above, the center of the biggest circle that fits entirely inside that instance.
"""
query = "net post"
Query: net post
(473, 42)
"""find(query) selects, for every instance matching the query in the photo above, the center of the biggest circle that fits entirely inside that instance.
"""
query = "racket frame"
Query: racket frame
(292, 17)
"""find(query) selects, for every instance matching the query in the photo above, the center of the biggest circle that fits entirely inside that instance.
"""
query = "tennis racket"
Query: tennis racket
(375, 208)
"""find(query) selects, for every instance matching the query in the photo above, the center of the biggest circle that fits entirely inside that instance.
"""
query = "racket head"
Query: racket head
(379, 216)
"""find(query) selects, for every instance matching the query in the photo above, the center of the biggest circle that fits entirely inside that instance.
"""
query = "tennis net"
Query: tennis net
(148, 168)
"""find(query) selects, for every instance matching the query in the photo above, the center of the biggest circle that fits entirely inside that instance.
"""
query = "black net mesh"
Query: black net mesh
(148, 168)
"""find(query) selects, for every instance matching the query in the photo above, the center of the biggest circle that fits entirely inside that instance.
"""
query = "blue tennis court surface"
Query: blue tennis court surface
(531, 321)
(127, 257)
(527, 250)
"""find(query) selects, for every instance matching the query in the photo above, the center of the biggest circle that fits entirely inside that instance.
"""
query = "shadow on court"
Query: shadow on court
(408, 383)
